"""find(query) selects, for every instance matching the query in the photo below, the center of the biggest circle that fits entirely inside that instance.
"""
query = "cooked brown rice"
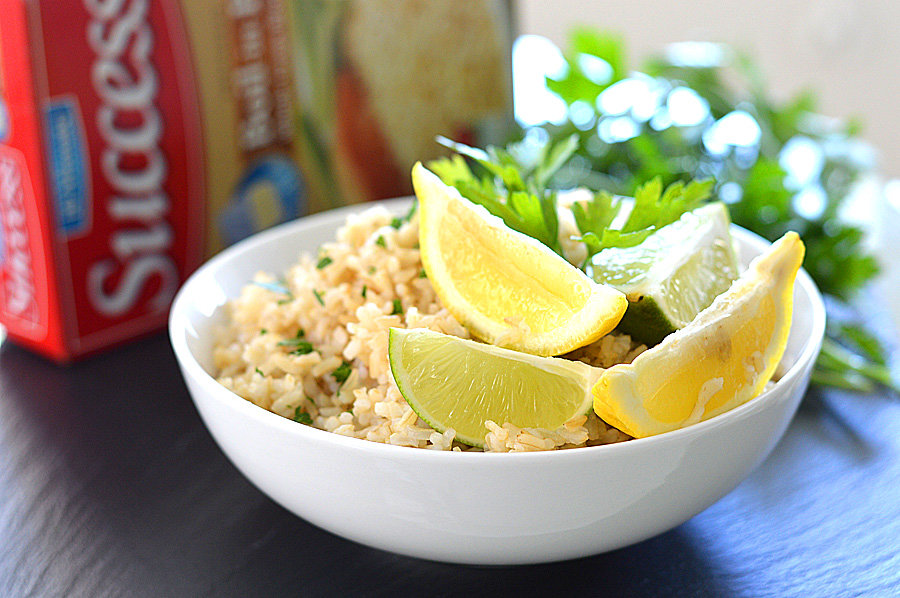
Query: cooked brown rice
(344, 301)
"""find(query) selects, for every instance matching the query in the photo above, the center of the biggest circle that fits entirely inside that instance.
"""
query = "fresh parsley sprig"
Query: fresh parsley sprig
(753, 176)
(651, 210)
(512, 182)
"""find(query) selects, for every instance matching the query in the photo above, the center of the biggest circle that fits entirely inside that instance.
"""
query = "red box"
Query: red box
(138, 137)
(105, 128)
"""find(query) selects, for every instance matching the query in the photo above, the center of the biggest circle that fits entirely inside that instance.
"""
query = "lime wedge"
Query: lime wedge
(721, 360)
(673, 275)
(461, 384)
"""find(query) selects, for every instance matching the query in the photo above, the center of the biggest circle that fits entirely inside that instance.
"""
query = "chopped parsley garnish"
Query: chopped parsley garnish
(259, 371)
(302, 416)
(380, 241)
(298, 344)
(398, 308)
(291, 342)
(319, 297)
(302, 348)
(364, 290)
(323, 262)
(398, 222)
(412, 211)
(342, 372)
(422, 273)
(263, 331)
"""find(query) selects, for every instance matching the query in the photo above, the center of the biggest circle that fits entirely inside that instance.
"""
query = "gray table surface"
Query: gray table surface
(111, 486)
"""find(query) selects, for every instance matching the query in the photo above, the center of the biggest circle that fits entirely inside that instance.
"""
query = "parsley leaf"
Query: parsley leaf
(342, 372)
(397, 308)
(318, 296)
(511, 183)
(324, 262)
(298, 346)
(397, 222)
(411, 212)
(862, 341)
(302, 417)
(752, 177)
(652, 210)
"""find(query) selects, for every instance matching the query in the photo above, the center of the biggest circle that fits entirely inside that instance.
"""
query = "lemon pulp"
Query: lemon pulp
(505, 287)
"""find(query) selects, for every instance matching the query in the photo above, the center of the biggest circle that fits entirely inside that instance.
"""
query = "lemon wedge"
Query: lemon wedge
(720, 360)
(461, 384)
(505, 287)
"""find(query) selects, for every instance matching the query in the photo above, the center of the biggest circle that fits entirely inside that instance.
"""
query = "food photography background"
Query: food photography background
(109, 485)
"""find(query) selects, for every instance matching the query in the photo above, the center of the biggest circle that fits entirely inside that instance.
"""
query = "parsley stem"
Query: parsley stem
(835, 379)
(839, 361)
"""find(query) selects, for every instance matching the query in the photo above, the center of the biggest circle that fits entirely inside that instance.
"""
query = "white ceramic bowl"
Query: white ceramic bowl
(476, 508)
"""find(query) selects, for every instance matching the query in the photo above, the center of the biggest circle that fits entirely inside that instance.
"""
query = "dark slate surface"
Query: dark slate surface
(110, 485)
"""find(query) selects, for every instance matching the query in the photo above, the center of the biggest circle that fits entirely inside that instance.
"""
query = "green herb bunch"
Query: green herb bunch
(703, 111)
(513, 183)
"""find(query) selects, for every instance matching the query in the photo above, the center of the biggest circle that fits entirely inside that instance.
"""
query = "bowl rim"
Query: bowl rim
(178, 328)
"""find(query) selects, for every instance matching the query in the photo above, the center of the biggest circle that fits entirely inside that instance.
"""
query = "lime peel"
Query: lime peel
(460, 384)
(672, 275)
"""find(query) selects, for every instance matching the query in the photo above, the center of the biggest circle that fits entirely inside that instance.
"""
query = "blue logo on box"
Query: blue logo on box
(66, 154)
(270, 192)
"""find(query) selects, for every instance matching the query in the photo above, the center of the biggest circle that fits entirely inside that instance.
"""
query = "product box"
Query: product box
(138, 137)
